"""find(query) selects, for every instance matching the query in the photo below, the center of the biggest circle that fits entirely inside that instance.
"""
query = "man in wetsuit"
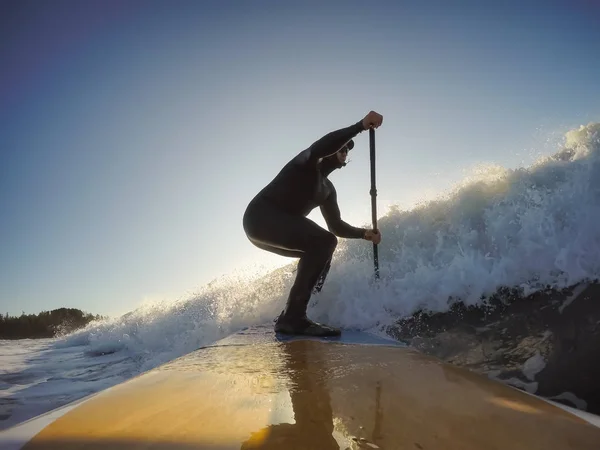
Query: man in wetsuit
(275, 220)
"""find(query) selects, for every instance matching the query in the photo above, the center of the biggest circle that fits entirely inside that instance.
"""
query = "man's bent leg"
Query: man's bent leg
(293, 319)
(289, 235)
(310, 267)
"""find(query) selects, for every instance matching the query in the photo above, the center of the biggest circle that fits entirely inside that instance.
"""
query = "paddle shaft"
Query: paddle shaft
(373, 193)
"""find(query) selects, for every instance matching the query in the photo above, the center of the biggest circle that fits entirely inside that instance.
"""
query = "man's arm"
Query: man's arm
(331, 213)
(332, 142)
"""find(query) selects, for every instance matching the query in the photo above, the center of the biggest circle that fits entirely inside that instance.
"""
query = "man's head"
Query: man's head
(337, 160)
(342, 153)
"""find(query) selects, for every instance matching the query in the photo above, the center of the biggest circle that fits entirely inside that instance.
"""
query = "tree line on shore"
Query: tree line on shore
(46, 324)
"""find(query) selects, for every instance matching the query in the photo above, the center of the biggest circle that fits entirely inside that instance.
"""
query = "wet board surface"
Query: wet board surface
(254, 391)
(264, 334)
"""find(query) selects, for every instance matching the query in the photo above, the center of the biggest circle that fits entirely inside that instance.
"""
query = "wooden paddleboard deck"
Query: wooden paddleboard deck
(257, 391)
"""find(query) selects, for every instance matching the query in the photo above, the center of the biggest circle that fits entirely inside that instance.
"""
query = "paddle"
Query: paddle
(373, 193)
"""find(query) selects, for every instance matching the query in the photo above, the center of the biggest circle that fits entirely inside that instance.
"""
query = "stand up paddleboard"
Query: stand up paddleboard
(264, 334)
(259, 390)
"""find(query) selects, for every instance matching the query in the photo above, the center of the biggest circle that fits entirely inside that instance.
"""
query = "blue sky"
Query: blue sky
(133, 134)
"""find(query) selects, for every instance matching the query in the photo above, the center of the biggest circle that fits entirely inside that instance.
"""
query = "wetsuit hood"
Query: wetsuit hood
(331, 163)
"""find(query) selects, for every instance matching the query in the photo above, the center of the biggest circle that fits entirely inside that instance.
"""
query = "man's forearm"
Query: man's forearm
(344, 230)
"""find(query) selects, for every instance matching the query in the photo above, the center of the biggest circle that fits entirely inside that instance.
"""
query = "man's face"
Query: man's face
(342, 154)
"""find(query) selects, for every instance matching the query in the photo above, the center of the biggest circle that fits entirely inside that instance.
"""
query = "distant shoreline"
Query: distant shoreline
(46, 324)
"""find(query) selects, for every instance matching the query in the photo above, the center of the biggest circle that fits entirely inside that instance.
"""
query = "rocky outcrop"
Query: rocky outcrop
(547, 343)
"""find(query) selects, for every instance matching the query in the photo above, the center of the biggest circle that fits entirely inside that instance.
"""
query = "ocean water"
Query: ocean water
(529, 228)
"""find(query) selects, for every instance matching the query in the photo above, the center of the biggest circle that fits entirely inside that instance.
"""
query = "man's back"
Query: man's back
(298, 188)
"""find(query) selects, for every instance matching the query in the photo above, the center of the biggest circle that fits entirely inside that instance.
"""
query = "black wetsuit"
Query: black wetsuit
(275, 220)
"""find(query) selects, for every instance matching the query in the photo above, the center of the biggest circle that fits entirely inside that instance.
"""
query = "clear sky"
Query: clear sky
(134, 133)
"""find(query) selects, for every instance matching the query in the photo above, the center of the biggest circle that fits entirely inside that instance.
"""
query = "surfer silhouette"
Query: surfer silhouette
(275, 220)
